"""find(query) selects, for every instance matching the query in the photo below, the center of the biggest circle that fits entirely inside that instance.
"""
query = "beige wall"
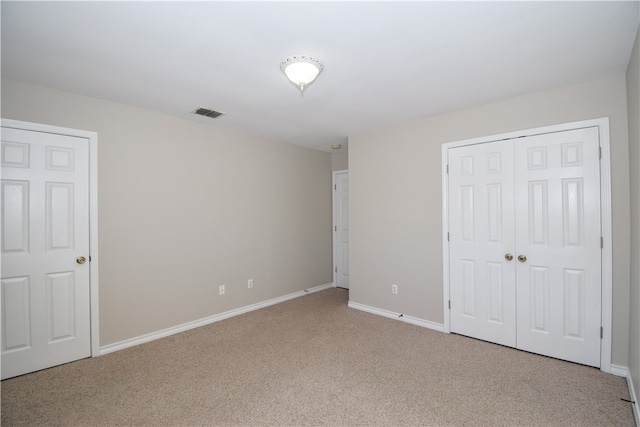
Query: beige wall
(185, 207)
(633, 105)
(339, 161)
(395, 196)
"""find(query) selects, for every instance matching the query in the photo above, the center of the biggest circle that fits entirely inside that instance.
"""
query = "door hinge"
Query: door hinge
(336, 269)
(601, 242)
(599, 152)
(335, 186)
(601, 332)
(449, 304)
(448, 237)
(447, 169)
(335, 228)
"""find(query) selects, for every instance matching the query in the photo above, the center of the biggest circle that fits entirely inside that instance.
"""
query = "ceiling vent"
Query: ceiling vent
(207, 113)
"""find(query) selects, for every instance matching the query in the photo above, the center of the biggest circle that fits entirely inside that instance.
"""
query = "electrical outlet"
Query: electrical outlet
(221, 290)
(250, 283)
(394, 289)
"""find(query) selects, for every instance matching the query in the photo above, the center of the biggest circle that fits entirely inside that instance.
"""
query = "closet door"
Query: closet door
(558, 273)
(481, 235)
(524, 242)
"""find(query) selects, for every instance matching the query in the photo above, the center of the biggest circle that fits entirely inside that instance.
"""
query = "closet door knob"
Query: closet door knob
(522, 258)
(508, 257)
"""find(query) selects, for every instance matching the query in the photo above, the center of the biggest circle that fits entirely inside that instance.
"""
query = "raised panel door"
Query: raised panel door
(341, 232)
(482, 281)
(45, 227)
(557, 185)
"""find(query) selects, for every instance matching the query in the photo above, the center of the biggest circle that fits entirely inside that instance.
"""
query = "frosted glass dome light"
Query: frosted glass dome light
(301, 70)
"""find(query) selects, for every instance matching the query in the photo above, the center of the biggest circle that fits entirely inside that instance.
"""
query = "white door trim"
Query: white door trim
(605, 208)
(92, 138)
(334, 224)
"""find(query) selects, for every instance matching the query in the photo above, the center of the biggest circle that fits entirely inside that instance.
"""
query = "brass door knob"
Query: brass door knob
(508, 257)
(522, 258)
(81, 260)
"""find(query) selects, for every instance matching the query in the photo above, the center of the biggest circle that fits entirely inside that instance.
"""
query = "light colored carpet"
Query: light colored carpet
(314, 361)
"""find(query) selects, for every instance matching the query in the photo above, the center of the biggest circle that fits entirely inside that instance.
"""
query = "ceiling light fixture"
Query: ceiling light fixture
(301, 70)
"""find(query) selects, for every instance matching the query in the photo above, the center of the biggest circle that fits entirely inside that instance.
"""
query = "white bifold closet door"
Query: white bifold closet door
(525, 254)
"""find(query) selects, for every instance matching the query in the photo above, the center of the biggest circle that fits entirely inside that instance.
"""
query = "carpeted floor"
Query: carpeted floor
(314, 361)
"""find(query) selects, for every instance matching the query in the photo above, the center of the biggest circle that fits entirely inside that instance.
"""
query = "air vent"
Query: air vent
(207, 112)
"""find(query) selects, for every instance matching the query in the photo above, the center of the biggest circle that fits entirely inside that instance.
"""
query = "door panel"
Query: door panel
(558, 230)
(16, 314)
(45, 227)
(538, 299)
(495, 293)
(61, 306)
(15, 221)
(481, 233)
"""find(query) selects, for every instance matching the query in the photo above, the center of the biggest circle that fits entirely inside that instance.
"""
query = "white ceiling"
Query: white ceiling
(385, 62)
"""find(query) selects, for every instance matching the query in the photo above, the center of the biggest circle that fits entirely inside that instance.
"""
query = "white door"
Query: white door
(558, 231)
(482, 227)
(45, 234)
(525, 254)
(341, 229)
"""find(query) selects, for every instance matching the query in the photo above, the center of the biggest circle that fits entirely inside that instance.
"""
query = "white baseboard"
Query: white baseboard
(619, 371)
(110, 348)
(398, 316)
(623, 371)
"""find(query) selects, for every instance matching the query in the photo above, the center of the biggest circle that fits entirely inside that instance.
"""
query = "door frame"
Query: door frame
(605, 220)
(334, 224)
(92, 139)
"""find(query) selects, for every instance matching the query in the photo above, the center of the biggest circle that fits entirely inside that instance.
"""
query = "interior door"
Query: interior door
(341, 229)
(525, 254)
(45, 250)
(483, 299)
(558, 231)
